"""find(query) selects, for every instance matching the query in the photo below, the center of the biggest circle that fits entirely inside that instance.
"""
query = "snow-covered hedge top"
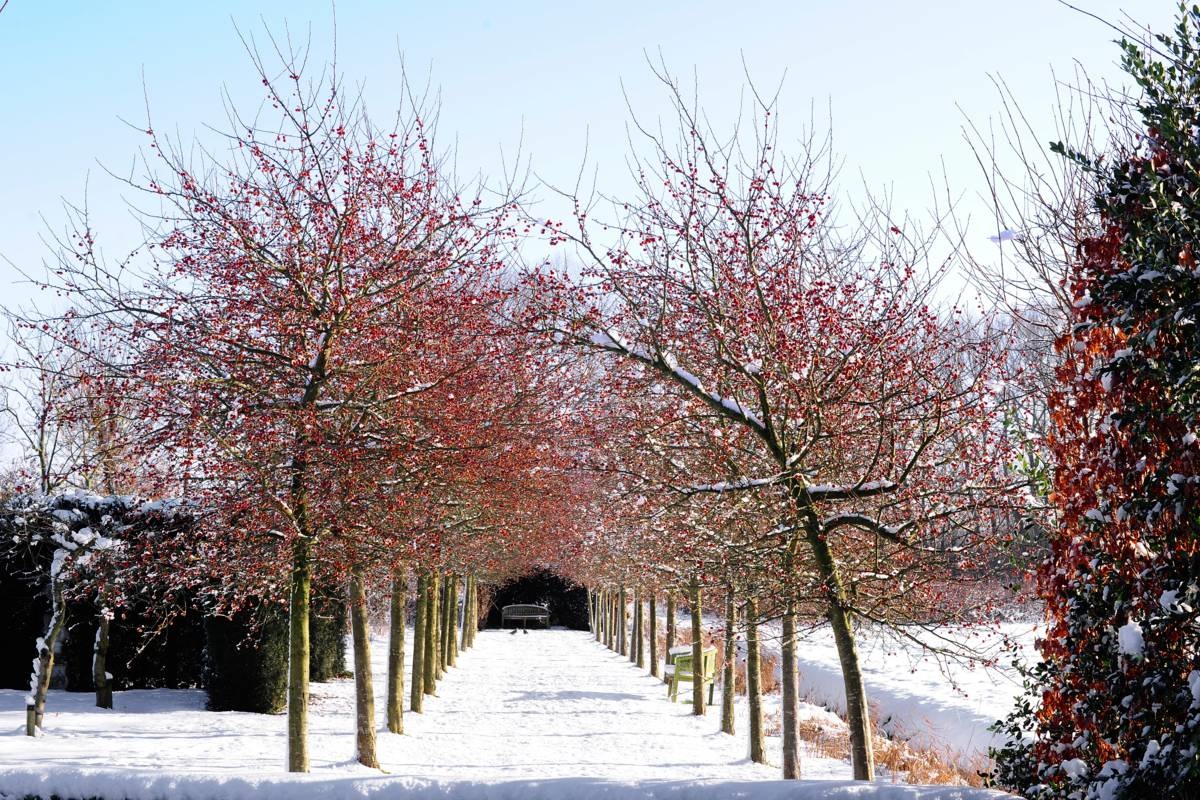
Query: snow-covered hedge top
(68, 528)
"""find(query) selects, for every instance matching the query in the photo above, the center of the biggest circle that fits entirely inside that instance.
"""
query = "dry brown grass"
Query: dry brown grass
(929, 765)
(919, 765)
(922, 765)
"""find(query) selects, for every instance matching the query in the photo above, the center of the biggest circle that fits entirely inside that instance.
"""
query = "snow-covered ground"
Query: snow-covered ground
(946, 706)
(550, 714)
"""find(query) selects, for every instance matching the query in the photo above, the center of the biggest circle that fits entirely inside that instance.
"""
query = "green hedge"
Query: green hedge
(327, 636)
(246, 667)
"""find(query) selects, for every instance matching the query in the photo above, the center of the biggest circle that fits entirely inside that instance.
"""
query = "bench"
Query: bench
(679, 670)
(523, 613)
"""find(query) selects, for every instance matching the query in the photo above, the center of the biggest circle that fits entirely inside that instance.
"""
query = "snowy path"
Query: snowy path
(542, 716)
(555, 703)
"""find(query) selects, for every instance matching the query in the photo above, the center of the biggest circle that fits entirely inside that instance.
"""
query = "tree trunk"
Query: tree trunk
(698, 707)
(614, 629)
(299, 652)
(641, 630)
(443, 624)
(452, 620)
(398, 619)
(610, 618)
(670, 632)
(729, 668)
(364, 691)
(591, 597)
(468, 595)
(417, 691)
(791, 696)
(623, 621)
(840, 619)
(635, 623)
(443, 628)
(100, 676)
(474, 608)
(602, 609)
(754, 684)
(43, 665)
(857, 713)
(653, 634)
(431, 627)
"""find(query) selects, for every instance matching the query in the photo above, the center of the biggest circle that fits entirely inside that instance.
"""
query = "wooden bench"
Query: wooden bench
(679, 670)
(523, 613)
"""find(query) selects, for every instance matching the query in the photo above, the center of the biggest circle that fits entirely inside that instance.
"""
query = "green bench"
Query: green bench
(679, 670)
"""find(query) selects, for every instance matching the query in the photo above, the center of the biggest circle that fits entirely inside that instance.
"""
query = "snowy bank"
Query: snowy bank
(913, 696)
(76, 784)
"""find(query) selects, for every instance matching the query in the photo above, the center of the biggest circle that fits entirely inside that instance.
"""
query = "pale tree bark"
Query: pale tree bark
(610, 619)
(634, 625)
(602, 613)
(364, 691)
(452, 620)
(698, 707)
(398, 621)
(100, 678)
(443, 624)
(474, 608)
(729, 667)
(841, 621)
(468, 601)
(431, 630)
(606, 618)
(417, 690)
(758, 752)
(670, 632)
(623, 621)
(654, 634)
(614, 628)
(641, 630)
(791, 698)
(35, 712)
(299, 652)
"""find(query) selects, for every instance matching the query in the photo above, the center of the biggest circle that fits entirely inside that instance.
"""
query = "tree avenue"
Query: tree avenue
(329, 354)
(813, 367)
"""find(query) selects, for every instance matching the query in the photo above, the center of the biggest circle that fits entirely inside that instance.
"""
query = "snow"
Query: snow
(918, 697)
(1168, 599)
(820, 491)
(615, 343)
(549, 714)
(57, 563)
(1152, 749)
(733, 486)
(1129, 639)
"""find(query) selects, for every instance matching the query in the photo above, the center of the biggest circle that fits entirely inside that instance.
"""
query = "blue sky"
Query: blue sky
(891, 74)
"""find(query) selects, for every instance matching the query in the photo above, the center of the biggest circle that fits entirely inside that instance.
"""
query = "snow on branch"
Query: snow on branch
(827, 491)
(665, 364)
(741, 484)
(895, 533)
